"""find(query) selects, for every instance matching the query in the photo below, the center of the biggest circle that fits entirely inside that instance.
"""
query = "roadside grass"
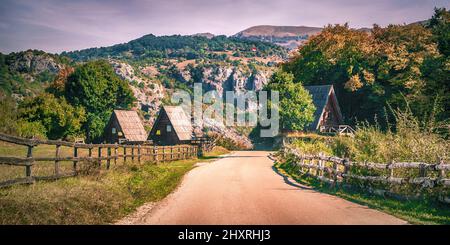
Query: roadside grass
(414, 211)
(100, 197)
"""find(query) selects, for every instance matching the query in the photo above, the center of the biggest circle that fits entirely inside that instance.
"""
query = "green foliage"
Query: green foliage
(369, 70)
(313, 146)
(296, 107)
(176, 46)
(96, 87)
(59, 119)
(410, 139)
(440, 26)
(11, 123)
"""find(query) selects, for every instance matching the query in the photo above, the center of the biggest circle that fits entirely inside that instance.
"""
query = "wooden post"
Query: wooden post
(108, 154)
(90, 152)
(132, 153)
(139, 153)
(335, 173)
(319, 172)
(171, 153)
(346, 169)
(58, 150)
(100, 156)
(163, 153)
(115, 153)
(124, 154)
(75, 155)
(391, 170)
(441, 173)
(422, 170)
(28, 167)
(155, 153)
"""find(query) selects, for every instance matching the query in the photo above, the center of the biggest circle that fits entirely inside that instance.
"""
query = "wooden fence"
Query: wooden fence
(106, 153)
(335, 170)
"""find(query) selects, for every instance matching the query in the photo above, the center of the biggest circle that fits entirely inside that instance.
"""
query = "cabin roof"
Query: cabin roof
(181, 123)
(320, 96)
(131, 125)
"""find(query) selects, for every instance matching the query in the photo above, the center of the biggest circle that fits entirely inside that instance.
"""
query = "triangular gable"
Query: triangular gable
(178, 119)
(130, 124)
(321, 96)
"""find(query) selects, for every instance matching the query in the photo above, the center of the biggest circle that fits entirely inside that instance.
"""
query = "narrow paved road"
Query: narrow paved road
(243, 188)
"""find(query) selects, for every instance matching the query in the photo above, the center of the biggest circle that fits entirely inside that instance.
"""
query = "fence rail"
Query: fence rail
(335, 170)
(105, 154)
(337, 129)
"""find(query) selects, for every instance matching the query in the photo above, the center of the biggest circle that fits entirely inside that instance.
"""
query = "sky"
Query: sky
(64, 25)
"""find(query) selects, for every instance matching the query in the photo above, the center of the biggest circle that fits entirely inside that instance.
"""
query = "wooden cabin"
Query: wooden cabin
(328, 113)
(125, 126)
(171, 127)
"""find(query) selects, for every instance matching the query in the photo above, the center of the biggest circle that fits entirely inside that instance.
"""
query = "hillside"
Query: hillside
(28, 72)
(176, 46)
(154, 67)
(285, 36)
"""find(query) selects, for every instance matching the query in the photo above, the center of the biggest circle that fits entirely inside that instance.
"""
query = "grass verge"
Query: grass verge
(413, 211)
(98, 198)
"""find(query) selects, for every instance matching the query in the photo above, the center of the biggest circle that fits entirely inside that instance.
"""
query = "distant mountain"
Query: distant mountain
(177, 46)
(286, 36)
(208, 35)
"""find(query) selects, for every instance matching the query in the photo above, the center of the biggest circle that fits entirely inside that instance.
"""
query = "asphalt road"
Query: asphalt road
(243, 188)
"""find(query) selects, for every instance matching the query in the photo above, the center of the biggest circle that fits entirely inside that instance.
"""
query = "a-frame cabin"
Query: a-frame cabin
(171, 127)
(328, 112)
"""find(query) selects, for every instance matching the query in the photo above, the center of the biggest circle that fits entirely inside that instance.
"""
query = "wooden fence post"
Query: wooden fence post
(335, 174)
(319, 171)
(75, 155)
(28, 167)
(441, 173)
(99, 156)
(90, 151)
(139, 153)
(115, 153)
(391, 170)
(171, 153)
(422, 170)
(57, 152)
(124, 154)
(155, 153)
(346, 170)
(108, 155)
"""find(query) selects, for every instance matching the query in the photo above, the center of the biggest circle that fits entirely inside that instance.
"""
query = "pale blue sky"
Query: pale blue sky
(58, 25)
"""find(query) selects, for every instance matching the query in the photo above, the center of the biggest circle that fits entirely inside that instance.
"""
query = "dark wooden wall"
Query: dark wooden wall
(166, 138)
(330, 116)
(108, 136)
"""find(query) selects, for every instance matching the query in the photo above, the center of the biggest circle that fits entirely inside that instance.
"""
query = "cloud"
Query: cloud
(58, 25)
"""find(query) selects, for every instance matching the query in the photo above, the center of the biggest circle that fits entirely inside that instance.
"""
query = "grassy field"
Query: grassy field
(415, 212)
(100, 197)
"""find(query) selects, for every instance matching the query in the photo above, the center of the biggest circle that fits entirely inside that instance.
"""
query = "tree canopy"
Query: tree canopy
(96, 87)
(296, 107)
(370, 70)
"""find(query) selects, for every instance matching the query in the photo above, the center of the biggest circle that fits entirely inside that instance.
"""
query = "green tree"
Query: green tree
(59, 119)
(96, 87)
(296, 106)
(370, 70)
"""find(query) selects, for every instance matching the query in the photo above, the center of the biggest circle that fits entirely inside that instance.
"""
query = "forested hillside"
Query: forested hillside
(393, 67)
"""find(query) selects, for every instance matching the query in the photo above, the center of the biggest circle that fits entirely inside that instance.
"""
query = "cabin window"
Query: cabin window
(158, 132)
(169, 128)
(113, 130)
